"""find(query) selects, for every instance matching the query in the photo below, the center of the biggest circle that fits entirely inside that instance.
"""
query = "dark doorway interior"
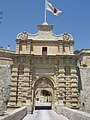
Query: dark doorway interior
(43, 107)
(44, 50)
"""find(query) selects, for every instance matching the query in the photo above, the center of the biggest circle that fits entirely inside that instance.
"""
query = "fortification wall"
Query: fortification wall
(5, 62)
(85, 91)
(4, 87)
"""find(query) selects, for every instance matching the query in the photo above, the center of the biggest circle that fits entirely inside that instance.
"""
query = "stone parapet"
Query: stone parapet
(72, 114)
(17, 114)
(7, 51)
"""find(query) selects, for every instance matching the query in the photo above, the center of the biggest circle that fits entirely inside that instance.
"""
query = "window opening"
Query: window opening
(44, 50)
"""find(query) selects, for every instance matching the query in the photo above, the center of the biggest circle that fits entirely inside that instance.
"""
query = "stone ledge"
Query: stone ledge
(75, 114)
(17, 114)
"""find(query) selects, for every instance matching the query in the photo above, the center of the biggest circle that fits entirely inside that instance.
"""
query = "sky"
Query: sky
(25, 15)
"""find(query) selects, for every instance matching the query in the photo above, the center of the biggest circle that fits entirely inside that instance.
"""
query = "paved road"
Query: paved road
(44, 115)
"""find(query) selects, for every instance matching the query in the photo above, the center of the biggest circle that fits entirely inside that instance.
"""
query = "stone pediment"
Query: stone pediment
(46, 35)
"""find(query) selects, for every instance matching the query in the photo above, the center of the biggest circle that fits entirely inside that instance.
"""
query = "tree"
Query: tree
(1, 13)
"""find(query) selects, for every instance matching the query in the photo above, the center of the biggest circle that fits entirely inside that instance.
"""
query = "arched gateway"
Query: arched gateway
(44, 69)
(43, 92)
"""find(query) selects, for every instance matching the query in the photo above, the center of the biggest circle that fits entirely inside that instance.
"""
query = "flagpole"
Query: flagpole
(45, 16)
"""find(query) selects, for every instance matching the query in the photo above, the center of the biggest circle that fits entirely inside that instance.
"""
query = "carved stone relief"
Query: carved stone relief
(42, 83)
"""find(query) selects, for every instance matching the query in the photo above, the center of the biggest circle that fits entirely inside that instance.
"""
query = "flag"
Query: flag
(52, 9)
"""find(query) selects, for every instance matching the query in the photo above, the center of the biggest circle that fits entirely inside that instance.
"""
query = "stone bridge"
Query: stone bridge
(67, 114)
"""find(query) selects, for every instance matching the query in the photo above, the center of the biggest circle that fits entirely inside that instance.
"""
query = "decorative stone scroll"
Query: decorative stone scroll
(67, 37)
(23, 36)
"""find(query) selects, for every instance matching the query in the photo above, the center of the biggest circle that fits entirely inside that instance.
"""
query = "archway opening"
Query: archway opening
(43, 93)
(43, 96)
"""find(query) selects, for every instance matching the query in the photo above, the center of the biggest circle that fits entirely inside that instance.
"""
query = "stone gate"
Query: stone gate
(44, 61)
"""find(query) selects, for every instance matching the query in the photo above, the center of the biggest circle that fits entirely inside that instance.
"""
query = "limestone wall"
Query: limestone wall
(5, 62)
(75, 114)
(85, 92)
(1, 102)
(4, 87)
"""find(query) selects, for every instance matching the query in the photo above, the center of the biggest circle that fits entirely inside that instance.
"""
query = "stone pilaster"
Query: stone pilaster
(17, 46)
(74, 89)
(27, 87)
(22, 88)
(20, 92)
(74, 94)
(13, 92)
(27, 80)
(13, 87)
(73, 72)
(67, 49)
(30, 84)
(60, 48)
(29, 47)
(61, 84)
(71, 49)
(68, 92)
